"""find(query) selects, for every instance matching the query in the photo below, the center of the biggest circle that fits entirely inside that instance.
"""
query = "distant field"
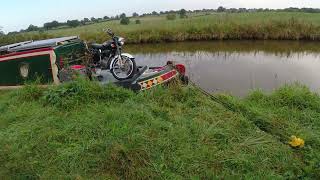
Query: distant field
(260, 25)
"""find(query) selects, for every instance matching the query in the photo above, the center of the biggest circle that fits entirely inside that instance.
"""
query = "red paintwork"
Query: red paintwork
(164, 77)
(26, 52)
(169, 75)
(181, 68)
(78, 67)
(61, 63)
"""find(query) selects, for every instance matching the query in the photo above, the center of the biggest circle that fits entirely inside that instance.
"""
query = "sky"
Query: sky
(19, 14)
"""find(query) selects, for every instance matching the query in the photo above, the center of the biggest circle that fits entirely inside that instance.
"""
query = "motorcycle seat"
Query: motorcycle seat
(97, 46)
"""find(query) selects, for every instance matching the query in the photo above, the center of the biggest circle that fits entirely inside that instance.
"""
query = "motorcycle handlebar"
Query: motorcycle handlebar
(109, 32)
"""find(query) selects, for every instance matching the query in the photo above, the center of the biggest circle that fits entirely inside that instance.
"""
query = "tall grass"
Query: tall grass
(221, 26)
(83, 130)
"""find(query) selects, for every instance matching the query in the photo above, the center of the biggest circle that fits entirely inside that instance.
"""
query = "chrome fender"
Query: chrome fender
(127, 55)
(123, 54)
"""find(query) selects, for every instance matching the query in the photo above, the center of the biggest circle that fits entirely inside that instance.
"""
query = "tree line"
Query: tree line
(1, 32)
(171, 15)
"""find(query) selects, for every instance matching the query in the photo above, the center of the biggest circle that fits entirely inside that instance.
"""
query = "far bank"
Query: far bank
(215, 26)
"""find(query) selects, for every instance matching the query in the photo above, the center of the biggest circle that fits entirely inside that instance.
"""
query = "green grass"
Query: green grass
(83, 130)
(236, 26)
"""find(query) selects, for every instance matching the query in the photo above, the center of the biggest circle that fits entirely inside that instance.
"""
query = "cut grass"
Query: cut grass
(217, 26)
(84, 130)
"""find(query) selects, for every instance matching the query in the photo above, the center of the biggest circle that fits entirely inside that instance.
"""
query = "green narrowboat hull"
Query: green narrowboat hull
(18, 68)
(43, 65)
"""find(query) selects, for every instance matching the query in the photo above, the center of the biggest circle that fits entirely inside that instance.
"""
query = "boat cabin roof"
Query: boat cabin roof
(30, 45)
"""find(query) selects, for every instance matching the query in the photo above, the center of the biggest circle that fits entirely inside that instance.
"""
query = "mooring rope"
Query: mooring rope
(256, 118)
(212, 97)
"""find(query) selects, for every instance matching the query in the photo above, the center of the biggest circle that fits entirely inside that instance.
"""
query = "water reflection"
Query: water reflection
(236, 67)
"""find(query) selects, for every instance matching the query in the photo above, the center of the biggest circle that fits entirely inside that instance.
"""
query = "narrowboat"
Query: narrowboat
(48, 61)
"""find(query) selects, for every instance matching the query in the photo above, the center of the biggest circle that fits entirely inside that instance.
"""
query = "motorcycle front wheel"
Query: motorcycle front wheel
(125, 71)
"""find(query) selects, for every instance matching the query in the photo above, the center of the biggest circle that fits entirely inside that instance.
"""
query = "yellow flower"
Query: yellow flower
(296, 142)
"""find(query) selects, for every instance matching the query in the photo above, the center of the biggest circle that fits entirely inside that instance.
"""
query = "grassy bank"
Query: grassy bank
(82, 130)
(217, 26)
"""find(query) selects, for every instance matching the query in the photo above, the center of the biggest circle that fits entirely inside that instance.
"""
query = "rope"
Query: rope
(212, 97)
(256, 118)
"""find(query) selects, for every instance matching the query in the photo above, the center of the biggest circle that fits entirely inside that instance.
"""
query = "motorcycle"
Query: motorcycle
(109, 56)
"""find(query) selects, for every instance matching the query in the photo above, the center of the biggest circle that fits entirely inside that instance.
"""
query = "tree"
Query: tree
(171, 16)
(138, 21)
(106, 18)
(51, 25)
(183, 13)
(125, 21)
(233, 10)
(1, 32)
(32, 28)
(155, 13)
(82, 22)
(135, 14)
(86, 20)
(241, 10)
(123, 15)
(47, 26)
(73, 23)
(13, 33)
(94, 20)
(221, 9)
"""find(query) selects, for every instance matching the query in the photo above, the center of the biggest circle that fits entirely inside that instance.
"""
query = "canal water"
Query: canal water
(237, 67)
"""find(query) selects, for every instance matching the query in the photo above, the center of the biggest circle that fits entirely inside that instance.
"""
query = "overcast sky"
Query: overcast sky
(18, 14)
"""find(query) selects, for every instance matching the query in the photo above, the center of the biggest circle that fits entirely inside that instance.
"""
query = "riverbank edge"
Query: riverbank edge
(164, 39)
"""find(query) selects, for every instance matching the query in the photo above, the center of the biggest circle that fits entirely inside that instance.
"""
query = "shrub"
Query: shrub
(30, 92)
(138, 21)
(183, 13)
(171, 16)
(125, 21)
(81, 91)
(296, 96)
(73, 23)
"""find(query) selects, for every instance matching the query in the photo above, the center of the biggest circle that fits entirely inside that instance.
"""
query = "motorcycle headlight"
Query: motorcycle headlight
(121, 41)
